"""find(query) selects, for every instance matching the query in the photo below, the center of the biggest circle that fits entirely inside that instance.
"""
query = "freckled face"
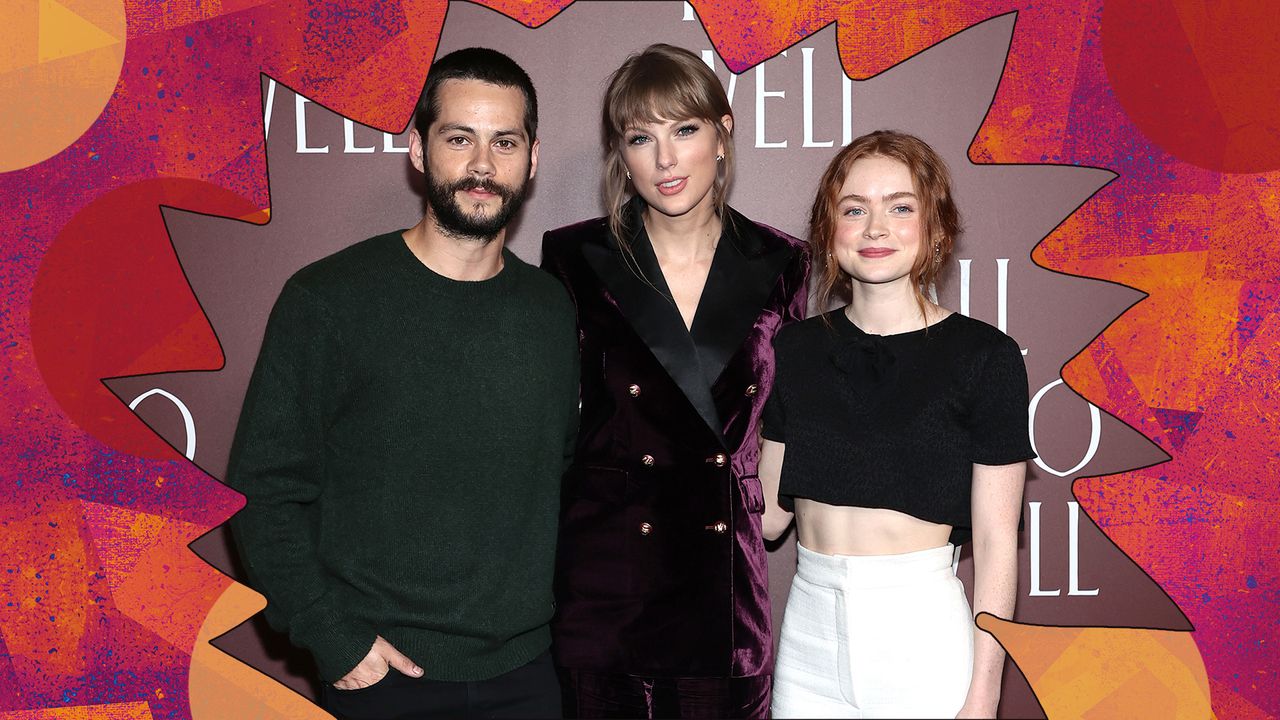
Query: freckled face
(878, 227)
(673, 163)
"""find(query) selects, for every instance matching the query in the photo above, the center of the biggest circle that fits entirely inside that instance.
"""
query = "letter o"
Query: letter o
(188, 422)
(1095, 431)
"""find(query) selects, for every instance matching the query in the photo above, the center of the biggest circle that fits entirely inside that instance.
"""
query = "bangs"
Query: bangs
(659, 91)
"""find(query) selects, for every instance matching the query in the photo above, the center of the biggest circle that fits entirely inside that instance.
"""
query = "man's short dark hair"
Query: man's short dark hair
(476, 63)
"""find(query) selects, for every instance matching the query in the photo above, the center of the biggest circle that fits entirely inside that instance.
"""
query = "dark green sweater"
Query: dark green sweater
(400, 450)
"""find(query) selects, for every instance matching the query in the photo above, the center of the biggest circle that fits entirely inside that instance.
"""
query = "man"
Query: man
(406, 427)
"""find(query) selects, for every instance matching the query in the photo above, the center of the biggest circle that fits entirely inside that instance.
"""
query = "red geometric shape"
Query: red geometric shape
(1200, 81)
(110, 299)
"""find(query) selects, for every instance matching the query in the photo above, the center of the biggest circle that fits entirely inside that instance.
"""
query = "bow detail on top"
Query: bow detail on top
(870, 363)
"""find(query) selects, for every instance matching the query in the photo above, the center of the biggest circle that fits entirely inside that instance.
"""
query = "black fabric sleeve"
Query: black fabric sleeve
(773, 426)
(998, 428)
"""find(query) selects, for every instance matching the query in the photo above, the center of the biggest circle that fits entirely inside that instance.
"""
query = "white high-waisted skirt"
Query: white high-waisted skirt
(878, 636)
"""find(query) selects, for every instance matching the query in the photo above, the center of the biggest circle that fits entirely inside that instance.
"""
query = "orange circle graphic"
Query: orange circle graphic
(59, 61)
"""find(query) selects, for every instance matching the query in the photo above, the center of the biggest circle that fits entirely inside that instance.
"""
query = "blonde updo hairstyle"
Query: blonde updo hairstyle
(660, 84)
(940, 221)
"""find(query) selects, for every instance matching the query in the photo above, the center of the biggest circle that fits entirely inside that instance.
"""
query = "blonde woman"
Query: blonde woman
(661, 583)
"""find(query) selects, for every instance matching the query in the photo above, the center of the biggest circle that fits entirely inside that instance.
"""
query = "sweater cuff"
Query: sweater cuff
(336, 640)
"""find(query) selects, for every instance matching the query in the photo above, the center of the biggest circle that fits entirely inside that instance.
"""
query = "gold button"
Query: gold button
(647, 460)
(633, 390)
(645, 528)
(752, 390)
(719, 527)
(719, 459)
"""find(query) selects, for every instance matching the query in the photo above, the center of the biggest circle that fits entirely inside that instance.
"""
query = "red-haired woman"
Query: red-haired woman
(896, 430)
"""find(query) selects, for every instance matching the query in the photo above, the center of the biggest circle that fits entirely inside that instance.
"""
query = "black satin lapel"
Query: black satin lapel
(656, 320)
(737, 288)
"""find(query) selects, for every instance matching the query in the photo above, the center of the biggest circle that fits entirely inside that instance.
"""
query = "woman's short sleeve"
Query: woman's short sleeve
(774, 418)
(998, 427)
(774, 425)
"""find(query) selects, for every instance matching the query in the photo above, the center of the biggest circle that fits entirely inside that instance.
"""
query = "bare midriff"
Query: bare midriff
(843, 530)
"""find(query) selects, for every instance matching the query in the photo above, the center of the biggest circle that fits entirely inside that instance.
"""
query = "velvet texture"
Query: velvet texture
(661, 571)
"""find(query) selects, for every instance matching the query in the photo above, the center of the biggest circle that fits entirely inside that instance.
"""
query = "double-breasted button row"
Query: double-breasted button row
(718, 527)
(719, 460)
(634, 390)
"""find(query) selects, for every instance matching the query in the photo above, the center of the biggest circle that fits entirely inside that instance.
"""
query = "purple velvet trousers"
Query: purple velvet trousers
(605, 695)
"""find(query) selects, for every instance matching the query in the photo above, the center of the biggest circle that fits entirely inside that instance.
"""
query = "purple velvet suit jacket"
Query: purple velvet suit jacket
(661, 570)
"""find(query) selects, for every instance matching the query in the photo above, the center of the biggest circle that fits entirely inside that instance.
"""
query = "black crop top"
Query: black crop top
(896, 421)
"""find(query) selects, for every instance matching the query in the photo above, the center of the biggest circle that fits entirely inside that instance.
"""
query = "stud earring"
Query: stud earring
(719, 158)
(628, 174)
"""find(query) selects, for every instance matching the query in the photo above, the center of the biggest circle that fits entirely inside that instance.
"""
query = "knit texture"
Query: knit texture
(400, 450)
(896, 421)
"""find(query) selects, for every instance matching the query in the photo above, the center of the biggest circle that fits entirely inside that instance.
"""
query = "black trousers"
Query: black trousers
(531, 691)
(607, 695)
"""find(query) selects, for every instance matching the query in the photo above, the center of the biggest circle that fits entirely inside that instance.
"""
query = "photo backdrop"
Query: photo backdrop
(1083, 184)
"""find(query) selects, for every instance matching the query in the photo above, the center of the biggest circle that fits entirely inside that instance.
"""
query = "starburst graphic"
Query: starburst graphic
(236, 269)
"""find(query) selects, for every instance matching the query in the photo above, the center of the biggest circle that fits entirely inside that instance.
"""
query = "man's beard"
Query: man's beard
(455, 222)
